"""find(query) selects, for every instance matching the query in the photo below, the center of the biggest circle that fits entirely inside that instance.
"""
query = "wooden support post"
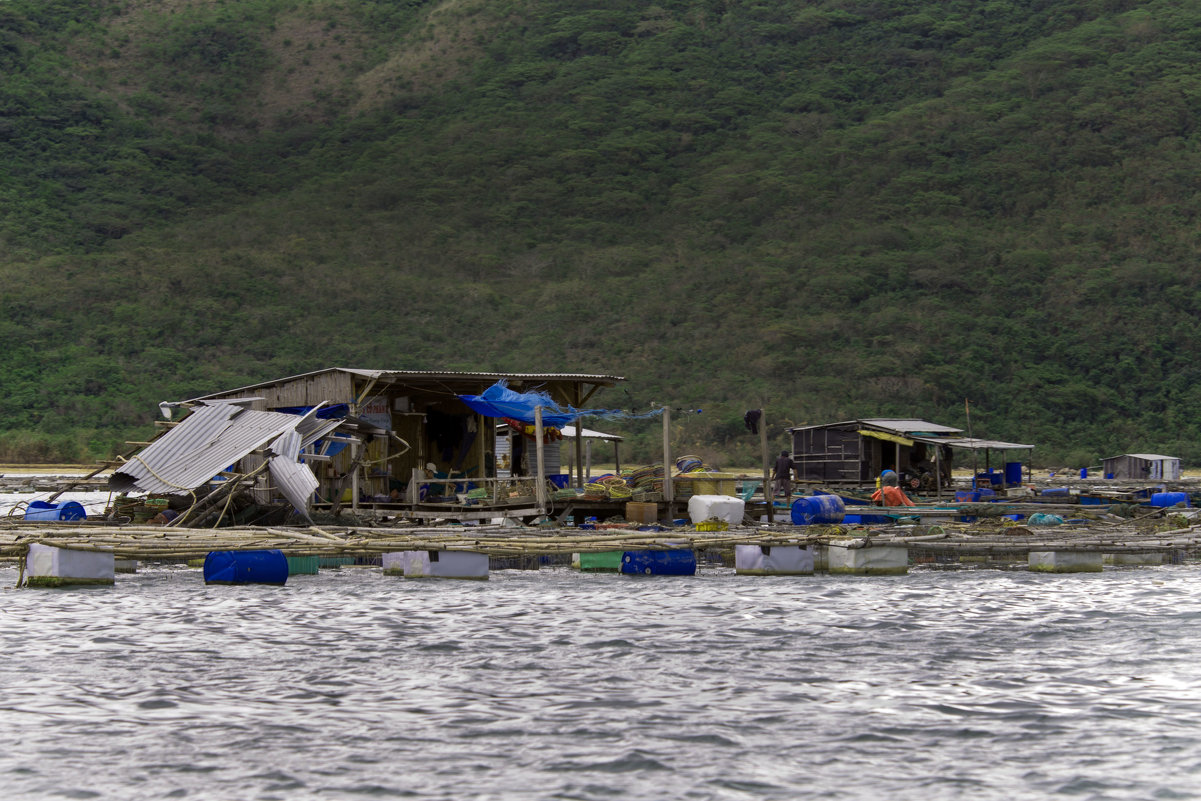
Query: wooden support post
(668, 490)
(579, 443)
(937, 471)
(769, 492)
(540, 490)
(579, 454)
(485, 432)
(356, 454)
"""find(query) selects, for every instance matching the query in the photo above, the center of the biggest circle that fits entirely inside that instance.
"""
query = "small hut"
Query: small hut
(854, 452)
(1142, 466)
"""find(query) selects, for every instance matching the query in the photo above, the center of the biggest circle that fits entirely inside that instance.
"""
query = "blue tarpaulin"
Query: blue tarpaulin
(500, 401)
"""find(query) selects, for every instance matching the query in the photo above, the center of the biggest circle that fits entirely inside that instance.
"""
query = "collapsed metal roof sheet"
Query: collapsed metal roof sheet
(210, 439)
(295, 480)
(217, 434)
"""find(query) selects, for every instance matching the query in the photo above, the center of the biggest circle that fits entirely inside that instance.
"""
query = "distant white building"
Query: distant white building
(1148, 466)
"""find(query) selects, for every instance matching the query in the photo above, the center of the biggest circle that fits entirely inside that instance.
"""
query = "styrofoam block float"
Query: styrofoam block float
(1064, 562)
(723, 507)
(446, 564)
(48, 566)
(394, 563)
(1134, 559)
(875, 560)
(773, 560)
(303, 565)
(602, 562)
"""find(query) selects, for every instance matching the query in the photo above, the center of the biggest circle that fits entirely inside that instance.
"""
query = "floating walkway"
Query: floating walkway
(158, 543)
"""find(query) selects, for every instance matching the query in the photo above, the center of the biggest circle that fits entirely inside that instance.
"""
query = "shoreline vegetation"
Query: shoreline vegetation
(997, 204)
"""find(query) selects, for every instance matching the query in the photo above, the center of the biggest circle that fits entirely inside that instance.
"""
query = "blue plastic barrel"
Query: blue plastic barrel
(818, 509)
(67, 510)
(1167, 499)
(659, 563)
(246, 567)
(1013, 474)
(1084, 472)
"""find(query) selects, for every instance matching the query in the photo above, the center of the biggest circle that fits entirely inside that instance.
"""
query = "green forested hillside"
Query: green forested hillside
(828, 209)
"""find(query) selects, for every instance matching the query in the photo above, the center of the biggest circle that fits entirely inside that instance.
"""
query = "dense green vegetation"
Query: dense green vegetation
(829, 209)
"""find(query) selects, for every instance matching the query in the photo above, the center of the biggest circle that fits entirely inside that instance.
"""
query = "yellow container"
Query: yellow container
(713, 525)
(712, 483)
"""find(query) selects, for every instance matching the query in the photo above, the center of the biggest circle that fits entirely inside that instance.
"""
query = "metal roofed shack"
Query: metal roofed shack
(855, 452)
(406, 438)
(1142, 466)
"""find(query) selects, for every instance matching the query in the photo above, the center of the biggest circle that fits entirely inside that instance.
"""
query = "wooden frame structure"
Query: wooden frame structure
(417, 447)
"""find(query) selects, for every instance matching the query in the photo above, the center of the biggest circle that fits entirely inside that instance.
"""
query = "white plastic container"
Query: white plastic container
(723, 507)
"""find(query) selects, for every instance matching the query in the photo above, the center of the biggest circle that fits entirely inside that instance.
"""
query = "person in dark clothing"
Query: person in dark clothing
(783, 475)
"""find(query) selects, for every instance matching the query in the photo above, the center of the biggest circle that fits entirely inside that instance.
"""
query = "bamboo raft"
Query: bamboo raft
(171, 544)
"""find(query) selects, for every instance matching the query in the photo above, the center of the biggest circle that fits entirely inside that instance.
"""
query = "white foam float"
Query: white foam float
(874, 560)
(50, 566)
(443, 564)
(1064, 561)
(773, 560)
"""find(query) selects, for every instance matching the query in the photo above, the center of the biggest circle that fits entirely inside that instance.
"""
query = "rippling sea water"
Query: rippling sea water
(552, 684)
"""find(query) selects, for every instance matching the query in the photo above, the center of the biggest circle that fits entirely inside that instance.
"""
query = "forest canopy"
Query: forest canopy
(828, 210)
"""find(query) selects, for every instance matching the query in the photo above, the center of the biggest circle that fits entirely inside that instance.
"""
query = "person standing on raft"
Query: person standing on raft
(782, 480)
(889, 493)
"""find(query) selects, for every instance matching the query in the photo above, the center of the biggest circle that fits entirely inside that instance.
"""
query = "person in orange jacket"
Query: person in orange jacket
(889, 493)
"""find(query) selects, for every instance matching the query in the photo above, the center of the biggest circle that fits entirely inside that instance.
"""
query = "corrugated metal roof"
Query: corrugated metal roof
(1150, 457)
(975, 444)
(911, 426)
(434, 375)
(900, 425)
(203, 444)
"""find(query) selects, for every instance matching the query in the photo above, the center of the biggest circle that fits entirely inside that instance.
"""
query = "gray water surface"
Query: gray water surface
(552, 684)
